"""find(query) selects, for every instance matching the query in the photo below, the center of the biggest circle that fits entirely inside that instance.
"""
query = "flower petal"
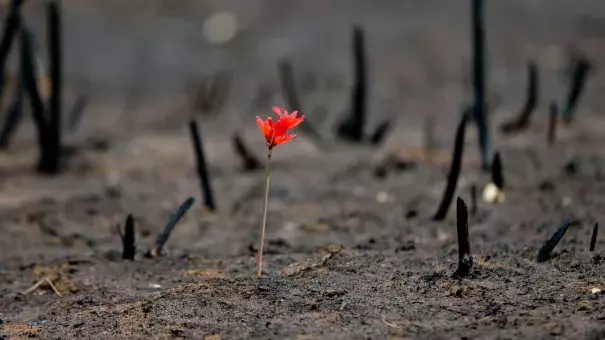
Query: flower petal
(266, 128)
(278, 110)
(260, 124)
(283, 139)
(281, 126)
(296, 121)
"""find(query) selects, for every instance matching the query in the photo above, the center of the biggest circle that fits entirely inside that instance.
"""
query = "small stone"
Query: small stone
(410, 245)
(177, 332)
(493, 194)
(382, 197)
(571, 168)
(380, 171)
(546, 186)
(411, 214)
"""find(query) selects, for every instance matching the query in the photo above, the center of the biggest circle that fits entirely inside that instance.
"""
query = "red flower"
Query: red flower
(275, 133)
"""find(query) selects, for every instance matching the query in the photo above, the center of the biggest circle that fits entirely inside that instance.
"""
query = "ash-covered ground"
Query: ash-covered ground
(349, 254)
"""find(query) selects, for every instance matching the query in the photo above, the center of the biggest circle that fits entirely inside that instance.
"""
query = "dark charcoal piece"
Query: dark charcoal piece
(50, 161)
(580, 69)
(172, 221)
(213, 92)
(381, 171)
(497, 175)
(544, 253)
(571, 167)
(380, 133)
(248, 158)
(14, 117)
(546, 186)
(411, 214)
(11, 26)
(352, 126)
(465, 260)
(392, 162)
(288, 83)
(456, 165)
(479, 83)
(31, 88)
(522, 121)
(403, 164)
(128, 248)
(202, 169)
(593, 238)
(552, 123)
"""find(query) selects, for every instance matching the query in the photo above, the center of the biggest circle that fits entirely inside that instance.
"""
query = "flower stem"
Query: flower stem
(259, 271)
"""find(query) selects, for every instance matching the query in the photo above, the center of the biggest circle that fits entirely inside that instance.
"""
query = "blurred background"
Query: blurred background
(140, 66)
(152, 50)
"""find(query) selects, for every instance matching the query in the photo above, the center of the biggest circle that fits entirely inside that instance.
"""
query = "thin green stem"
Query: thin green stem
(259, 271)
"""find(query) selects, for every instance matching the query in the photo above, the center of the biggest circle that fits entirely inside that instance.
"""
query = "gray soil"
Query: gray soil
(349, 255)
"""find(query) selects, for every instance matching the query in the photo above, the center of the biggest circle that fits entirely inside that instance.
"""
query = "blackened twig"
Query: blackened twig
(552, 123)
(212, 93)
(580, 69)
(28, 69)
(202, 169)
(352, 126)
(250, 160)
(172, 221)
(14, 117)
(497, 175)
(288, 83)
(11, 26)
(75, 115)
(593, 238)
(522, 121)
(219, 91)
(544, 253)
(465, 260)
(380, 132)
(359, 99)
(454, 173)
(480, 107)
(50, 162)
(128, 247)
